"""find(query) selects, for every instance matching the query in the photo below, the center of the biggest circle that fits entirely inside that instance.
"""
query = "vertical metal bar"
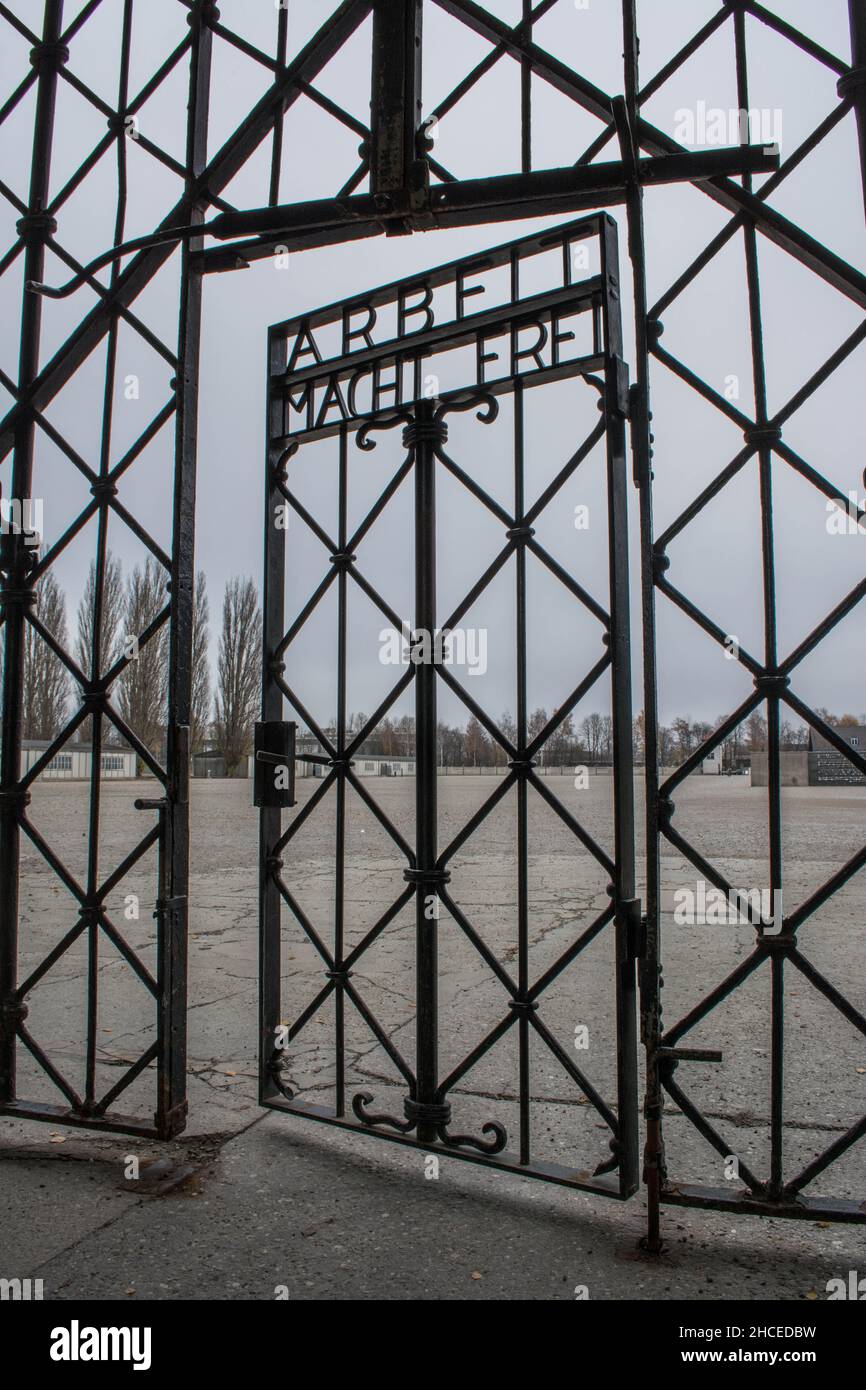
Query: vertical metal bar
(768, 565)
(171, 1105)
(16, 558)
(426, 925)
(279, 119)
(526, 95)
(270, 817)
(619, 637)
(777, 1012)
(395, 105)
(777, 964)
(340, 846)
(650, 972)
(854, 84)
(522, 788)
(100, 656)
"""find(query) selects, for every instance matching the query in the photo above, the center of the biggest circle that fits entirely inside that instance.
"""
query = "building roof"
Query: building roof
(854, 734)
(40, 744)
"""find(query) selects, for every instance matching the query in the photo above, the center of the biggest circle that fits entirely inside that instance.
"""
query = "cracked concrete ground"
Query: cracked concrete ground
(244, 1202)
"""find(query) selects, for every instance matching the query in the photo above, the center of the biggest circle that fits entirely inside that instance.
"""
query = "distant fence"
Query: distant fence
(824, 768)
(561, 770)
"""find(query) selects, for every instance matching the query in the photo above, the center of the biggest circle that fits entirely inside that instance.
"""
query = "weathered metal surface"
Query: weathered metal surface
(323, 401)
(409, 188)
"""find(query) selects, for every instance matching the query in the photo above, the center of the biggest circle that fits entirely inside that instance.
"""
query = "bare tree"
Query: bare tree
(536, 722)
(96, 654)
(683, 732)
(607, 737)
(799, 736)
(142, 687)
(201, 696)
(558, 747)
(702, 731)
(756, 728)
(638, 737)
(46, 682)
(406, 731)
(825, 714)
(238, 671)
(732, 746)
(508, 726)
(591, 732)
(477, 743)
(666, 746)
(112, 614)
(453, 746)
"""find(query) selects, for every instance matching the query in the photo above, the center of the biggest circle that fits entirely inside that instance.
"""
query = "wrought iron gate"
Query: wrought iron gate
(400, 183)
(570, 332)
(148, 1096)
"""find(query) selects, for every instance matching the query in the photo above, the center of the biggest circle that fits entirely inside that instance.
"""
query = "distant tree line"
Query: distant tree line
(133, 636)
(587, 742)
(472, 746)
(679, 739)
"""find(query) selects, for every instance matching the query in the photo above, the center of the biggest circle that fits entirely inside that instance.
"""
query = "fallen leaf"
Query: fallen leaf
(812, 1295)
(476, 1275)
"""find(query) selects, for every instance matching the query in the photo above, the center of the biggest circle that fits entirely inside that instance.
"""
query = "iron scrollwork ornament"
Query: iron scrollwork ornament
(437, 1114)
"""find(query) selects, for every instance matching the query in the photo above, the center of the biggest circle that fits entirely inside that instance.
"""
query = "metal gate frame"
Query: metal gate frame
(292, 391)
(22, 567)
(400, 161)
(771, 672)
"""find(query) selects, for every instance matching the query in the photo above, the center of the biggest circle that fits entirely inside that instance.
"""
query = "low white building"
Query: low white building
(365, 765)
(382, 766)
(74, 762)
(712, 765)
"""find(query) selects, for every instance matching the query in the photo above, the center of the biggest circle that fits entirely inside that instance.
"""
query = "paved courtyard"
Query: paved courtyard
(245, 1201)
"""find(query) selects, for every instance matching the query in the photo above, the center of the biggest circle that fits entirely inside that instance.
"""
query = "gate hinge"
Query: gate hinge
(641, 436)
(172, 910)
(635, 927)
(622, 396)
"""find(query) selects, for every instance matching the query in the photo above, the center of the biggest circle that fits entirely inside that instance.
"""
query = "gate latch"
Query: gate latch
(274, 765)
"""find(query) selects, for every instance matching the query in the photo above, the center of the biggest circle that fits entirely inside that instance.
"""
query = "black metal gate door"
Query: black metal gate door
(339, 379)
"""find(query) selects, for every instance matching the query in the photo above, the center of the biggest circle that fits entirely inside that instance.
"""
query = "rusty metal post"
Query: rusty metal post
(17, 558)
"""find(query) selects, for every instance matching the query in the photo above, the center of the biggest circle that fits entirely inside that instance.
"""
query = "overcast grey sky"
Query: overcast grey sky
(716, 562)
